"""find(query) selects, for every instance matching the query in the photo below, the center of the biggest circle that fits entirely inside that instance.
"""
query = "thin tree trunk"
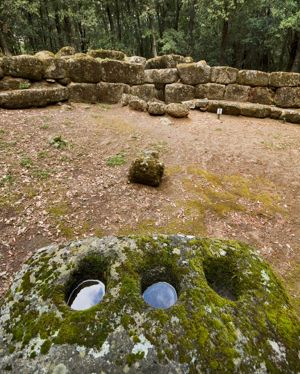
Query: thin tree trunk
(296, 62)
(4, 44)
(224, 41)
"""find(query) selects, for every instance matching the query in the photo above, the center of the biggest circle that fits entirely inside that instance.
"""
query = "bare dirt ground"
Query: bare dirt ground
(238, 178)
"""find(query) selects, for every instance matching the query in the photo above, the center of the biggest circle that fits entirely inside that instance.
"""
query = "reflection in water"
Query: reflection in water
(160, 295)
(87, 294)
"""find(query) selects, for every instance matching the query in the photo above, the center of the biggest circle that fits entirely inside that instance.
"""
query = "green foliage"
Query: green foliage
(58, 142)
(24, 85)
(117, 160)
(258, 34)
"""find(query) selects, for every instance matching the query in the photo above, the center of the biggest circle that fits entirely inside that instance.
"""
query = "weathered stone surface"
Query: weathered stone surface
(122, 72)
(136, 103)
(167, 61)
(236, 92)
(230, 108)
(201, 104)
(145, 91)
(194, 73)
(292, 116)
(163, 76)
(42, 55)
(136, 60)
(126, 98)
(66, 51)
(54, 68)
(23, 66)
(177, 110)
(64, 81)
(283, 79)
(224, 74)
(213, 328)
(253, 78)
(156, 108)
(213, 91)
(147, 169)
(287, 97)
(107, 53)
(261, 95)
(84, 92)
(84, 69)
(177, 92)
(11, 83)
(37, 96)
(112, 92)
(255, 110)
(275, 112)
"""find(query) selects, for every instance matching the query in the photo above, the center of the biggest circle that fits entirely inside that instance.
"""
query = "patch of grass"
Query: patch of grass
(41, 174)
(45, 126)
(117, 160)
(104, 106)
(24, 85)
(58, 142)
(59, 210)
(2, 132)
(6, 179)
(26, 162)
(43, 154)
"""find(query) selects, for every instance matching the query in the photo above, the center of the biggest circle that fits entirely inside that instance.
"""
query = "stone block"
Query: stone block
(224, 74)
(122, 72)
(163, 76)
(178, 92)
(84, 69)
(112, 92)
(287, 97)
(284, 79)
(23, 66)
(194, 73)
(144, 91)
(84, 92)
(212, 91)
(262, 95)
(37, 96)
(236, 92)
(253, 78)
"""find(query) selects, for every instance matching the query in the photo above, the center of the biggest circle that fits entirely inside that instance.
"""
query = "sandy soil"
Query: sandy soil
(236, 178)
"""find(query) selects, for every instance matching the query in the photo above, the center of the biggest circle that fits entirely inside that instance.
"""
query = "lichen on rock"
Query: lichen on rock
(232, 313)
(147, 169)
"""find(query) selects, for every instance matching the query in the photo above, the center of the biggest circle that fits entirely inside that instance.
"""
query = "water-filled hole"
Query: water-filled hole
(86, 295)
(159, 287)
(221, 275)
(160, 295)
(86, 285)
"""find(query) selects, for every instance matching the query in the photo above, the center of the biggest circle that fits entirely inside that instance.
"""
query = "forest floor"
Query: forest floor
(236, 178)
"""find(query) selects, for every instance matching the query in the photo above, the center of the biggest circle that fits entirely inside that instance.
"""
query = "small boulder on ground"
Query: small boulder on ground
(177, 110)
(156, 108)
(138, 104)
(147, 169)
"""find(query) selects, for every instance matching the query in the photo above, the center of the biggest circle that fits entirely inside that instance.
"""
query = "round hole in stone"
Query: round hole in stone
(86, 285)
(222, 276)
(160, 295)
(159, 287)
(86, 295)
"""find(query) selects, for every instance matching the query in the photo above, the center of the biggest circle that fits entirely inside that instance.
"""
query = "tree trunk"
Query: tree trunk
(296, 63)
(224, 41)
(3, 44)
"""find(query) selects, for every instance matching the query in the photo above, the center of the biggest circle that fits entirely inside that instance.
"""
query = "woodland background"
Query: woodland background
(249, 34)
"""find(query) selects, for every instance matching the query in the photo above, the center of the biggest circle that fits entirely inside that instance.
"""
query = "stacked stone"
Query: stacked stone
(104, 76)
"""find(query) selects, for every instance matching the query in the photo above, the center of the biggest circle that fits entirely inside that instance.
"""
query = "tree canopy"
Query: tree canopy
(252, 34)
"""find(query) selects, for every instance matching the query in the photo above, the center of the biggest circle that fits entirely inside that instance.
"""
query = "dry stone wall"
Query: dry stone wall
(104, 76)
